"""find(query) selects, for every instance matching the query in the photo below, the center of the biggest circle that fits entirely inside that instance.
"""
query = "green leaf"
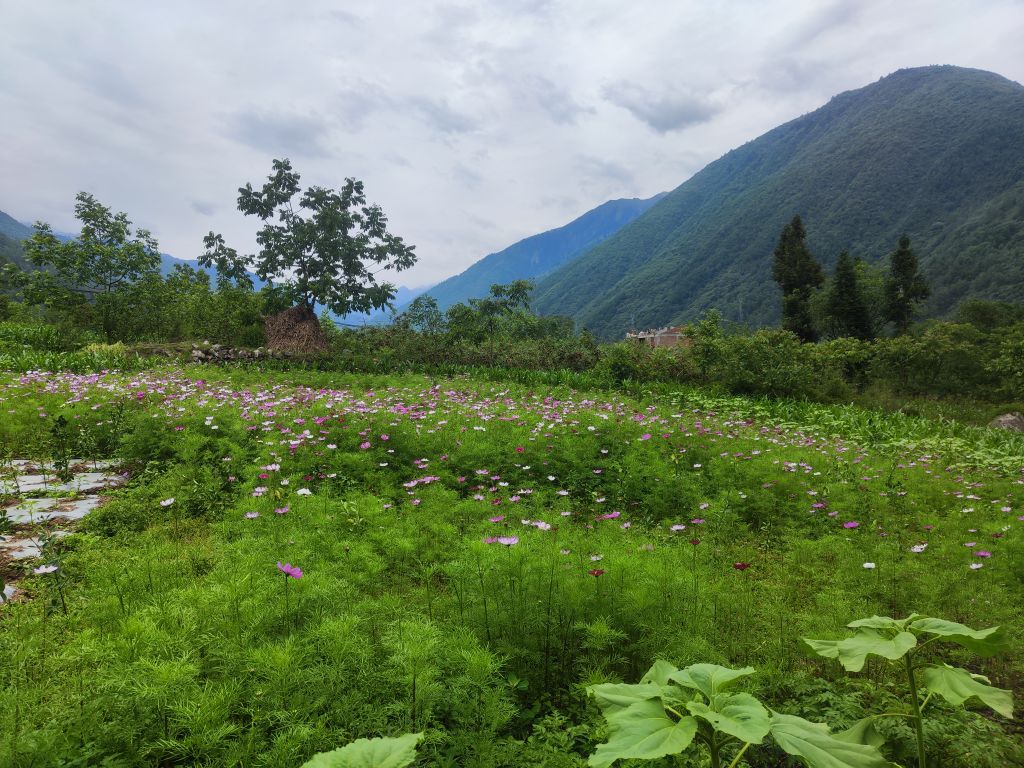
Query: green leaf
(643, 731)
(854, 650)
(612, 697)
(883, 622)
(659, 673)
(709, 679)
(957, 685)
(385, 752)
(812, 743)
(984, 642)
(737, 714)
(862, 732)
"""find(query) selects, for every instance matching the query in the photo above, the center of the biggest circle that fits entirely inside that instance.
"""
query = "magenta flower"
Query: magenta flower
(281, 511)
(364, 445)
(490, 540)
(289, 570)
(741, 566)
(695, 542)
(983, 553)
(698, 521)
(496, 519)
(596, 572)
(851, 524)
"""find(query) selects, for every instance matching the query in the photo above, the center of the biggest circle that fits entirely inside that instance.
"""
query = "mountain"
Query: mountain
(403, 296)
(539, 254)
(933, 152)
(12, 232)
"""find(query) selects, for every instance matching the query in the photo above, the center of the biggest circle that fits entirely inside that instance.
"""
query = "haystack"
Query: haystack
(296, 329)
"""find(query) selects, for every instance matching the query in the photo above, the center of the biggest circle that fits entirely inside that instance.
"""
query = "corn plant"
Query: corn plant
(903, 640)
(670, 709)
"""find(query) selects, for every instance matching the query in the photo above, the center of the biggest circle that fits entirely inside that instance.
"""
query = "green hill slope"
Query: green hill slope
(936, 152)
(539, 254)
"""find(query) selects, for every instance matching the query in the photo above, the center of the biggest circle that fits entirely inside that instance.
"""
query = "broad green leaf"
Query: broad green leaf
(854, 650)
(659, 673)
(737, 714)
(879, 623)
(812, 743)
(644, 731)
(984, 642)
(957, 685)
(386, 752)
(862, 732)
(611, 697)
(709, 679)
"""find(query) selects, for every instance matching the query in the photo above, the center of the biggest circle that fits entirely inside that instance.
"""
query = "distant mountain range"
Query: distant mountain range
(538, 255)
(934, 152)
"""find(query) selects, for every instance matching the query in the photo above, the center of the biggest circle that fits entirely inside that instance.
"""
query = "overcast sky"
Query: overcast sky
(473, 124)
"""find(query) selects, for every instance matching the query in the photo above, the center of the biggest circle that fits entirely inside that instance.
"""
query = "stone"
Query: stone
(1013, 421)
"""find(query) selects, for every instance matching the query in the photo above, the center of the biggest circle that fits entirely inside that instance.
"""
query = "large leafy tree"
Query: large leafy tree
(798, 273)
(905, 287)
(101, 266)
(328, 255)
(847, 309)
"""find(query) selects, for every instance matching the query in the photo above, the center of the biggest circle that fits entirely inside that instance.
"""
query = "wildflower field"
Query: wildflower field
(297, 560)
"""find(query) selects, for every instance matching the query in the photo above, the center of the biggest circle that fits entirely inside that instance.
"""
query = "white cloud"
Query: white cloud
(473, 124)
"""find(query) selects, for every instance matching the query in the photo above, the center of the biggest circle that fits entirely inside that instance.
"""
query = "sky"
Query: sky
(472, 124)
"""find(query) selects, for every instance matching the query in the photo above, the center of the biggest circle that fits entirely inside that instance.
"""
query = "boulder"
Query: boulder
(1012, 421)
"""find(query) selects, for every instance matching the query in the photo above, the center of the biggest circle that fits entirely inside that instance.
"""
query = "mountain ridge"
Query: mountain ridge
(899, 155)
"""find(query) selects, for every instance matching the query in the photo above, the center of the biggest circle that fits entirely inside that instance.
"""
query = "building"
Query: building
(674, 336)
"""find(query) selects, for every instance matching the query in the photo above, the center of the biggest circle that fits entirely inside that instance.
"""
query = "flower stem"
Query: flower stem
(739, 754)
(908, 663)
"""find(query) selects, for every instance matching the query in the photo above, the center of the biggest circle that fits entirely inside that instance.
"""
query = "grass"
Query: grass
(182, 646)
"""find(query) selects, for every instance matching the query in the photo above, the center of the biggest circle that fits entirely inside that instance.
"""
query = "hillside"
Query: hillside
(936, 152)
(539, 254)
(12, 232)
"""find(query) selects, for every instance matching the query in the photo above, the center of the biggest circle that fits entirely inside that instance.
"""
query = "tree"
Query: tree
(797, 272)
(422, 315)
(101, 265)
(325, 257)
(905, 287)
(847, 311)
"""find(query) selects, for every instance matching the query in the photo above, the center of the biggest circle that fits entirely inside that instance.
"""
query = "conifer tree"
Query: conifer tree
(905, 287)
(847, 310)
(797, 272)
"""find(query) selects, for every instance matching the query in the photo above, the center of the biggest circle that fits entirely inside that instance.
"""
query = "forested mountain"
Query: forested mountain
(539, 254)
(933, 152)
(12, 232)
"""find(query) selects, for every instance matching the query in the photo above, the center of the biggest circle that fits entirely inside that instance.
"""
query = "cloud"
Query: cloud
(204, 209)
(281, 134)
(665, 111)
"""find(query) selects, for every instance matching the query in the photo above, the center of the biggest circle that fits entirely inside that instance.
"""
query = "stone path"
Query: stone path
(44, 506)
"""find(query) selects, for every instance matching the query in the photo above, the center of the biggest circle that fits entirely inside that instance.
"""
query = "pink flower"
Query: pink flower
(289, 570)
(364, 445)
(508, 541)
(520, 449)
(251, 515)
(281, 511)
(983, 553)
(596, 572)
(851, 524)
(496, 519)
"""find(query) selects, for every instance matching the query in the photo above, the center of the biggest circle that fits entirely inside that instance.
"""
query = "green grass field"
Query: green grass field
(473, 554)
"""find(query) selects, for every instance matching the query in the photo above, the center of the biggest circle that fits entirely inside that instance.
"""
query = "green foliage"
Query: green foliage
(797, 273)
(645, 721)
(901, 639)
(847, 311)
(905, 287)
(325, 258)
(102, 264)
(381, 752)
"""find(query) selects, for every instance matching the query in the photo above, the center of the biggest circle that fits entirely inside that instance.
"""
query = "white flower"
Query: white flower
(976, 566)
(869, 566)
(304, 492)
(918, 548)
(167, 502)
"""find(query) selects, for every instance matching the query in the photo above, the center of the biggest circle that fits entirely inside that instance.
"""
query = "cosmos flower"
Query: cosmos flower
(289, 570)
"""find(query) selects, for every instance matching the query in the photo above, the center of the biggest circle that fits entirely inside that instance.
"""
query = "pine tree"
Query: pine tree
(797, 272)
(847, 310)
(905, 287)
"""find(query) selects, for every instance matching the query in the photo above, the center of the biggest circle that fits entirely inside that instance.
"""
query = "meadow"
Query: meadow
(301, 559)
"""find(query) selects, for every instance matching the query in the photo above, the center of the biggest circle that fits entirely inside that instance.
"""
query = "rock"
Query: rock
(1012, 421)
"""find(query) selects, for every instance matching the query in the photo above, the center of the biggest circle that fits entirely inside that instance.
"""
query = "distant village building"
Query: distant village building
(674, 336)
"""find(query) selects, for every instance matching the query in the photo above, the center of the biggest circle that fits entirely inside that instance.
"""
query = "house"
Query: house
(674, 336)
